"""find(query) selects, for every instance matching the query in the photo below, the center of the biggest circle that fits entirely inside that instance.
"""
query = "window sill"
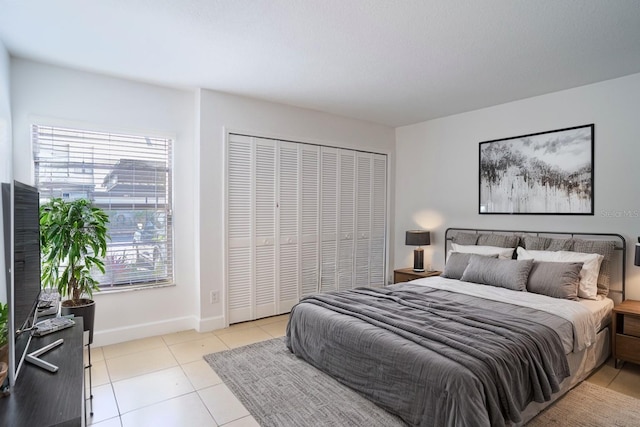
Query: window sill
(131, 288)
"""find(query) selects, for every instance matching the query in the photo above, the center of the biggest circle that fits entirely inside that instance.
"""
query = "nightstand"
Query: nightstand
(626, 332)
(407, 274)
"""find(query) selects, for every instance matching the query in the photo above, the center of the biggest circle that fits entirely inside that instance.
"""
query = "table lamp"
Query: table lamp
(418, 238)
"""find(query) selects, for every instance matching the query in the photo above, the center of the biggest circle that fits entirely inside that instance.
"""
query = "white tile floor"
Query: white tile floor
(164, 380)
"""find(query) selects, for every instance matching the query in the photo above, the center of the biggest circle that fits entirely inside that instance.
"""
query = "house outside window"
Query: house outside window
(130, 177)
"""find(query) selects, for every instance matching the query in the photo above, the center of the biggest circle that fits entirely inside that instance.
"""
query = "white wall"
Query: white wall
(57, 95)
(44, 93)
(437, 174)
(5, 151)
(219, 111)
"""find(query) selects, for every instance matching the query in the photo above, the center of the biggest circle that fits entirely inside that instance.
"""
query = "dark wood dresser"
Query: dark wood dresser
(41, 398)
(626, 332)
(407, 274)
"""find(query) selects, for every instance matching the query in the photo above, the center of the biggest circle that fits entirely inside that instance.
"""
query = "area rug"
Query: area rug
(590, 405)
(280, 390)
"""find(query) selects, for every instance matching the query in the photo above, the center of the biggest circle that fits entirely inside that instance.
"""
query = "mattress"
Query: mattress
(600, 310)
(588, 316)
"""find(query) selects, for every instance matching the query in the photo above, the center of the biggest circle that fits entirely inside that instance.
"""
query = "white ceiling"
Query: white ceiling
(391, 62)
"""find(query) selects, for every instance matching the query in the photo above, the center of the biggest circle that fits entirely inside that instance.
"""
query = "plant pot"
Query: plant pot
(4, 363)
(4, 353)
(84, 308)
(4, 371)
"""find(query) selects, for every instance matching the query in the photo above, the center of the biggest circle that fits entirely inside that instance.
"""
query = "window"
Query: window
(130, 178)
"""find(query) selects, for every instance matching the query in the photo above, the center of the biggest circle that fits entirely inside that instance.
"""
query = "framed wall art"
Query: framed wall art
(549, 173)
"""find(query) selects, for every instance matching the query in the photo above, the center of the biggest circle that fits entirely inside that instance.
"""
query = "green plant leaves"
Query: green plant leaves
(4, 321)
(73, 240)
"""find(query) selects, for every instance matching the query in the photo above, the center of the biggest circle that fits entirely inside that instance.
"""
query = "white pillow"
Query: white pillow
(588, 287)
(503, 253)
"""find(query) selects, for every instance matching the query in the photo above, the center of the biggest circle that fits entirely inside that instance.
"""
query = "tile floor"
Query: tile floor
(165, 381)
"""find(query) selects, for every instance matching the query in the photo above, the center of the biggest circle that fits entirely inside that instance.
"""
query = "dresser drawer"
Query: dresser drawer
(628, 348)
(631, 326)
(403, 277)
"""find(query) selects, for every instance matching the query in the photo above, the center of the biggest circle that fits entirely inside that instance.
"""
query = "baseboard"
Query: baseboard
(144, 330)
(211, 324)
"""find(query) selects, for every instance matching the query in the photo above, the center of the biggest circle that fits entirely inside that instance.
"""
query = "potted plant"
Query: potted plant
(73, 242)
(4, 342)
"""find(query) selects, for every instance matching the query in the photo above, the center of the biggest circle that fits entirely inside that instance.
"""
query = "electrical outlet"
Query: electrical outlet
(214, 297)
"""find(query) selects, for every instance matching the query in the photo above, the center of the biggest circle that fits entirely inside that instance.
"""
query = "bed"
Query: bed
(457, 351)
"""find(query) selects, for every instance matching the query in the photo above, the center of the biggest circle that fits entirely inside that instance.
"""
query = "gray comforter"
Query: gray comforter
(426, 356)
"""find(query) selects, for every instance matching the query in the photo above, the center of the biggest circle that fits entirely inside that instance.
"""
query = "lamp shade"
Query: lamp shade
(636, 260)
(417, 238)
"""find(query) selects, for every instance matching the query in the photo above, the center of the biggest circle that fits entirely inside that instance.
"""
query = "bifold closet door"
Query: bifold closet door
(346, 217)
(371, 215)
(263, 232)
(265, 227)
(240, 228)
(363, 219)
(328, 218)
(309, 219)
(300, 219)
(288, 211)
(251, 200)
(377, 255)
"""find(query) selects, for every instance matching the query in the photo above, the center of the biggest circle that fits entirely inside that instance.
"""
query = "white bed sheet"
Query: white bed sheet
(586, 316)
(600, 310)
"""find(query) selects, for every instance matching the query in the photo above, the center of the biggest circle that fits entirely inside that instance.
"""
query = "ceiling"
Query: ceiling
(384, 61)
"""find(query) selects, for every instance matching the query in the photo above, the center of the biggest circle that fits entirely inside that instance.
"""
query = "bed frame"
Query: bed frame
(617, 284)
(315, 337)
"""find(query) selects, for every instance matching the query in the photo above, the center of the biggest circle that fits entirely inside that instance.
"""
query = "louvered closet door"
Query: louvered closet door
(300, 219)
(288, 227)
(377, 257)
(310, 219)
(240, 283)
(363, 219)
(346, 218)
(328, 218)
(265, 227)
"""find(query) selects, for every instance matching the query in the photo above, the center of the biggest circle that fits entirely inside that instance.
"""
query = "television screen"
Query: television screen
(25, 289)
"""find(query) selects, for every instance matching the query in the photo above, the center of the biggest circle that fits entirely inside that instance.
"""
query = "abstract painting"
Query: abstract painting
(542, 173)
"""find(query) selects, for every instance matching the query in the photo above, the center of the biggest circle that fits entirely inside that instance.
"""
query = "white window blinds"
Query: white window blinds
(130, 178)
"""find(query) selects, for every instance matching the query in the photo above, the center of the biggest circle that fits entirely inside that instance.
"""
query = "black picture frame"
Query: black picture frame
(545, 173)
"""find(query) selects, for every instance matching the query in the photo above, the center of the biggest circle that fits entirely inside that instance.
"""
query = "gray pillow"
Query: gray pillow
(555, 279)
(536, 243)
(560, 245)
(499, 240)
(457, 263)
(465, 238)
(505, 273)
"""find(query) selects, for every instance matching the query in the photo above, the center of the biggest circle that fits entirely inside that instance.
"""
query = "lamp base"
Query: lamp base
(418, 260)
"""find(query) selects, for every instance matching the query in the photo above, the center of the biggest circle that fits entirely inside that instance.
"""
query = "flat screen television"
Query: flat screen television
(21, 213)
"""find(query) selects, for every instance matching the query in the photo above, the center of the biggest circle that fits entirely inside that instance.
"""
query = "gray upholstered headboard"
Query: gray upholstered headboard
(618, 259)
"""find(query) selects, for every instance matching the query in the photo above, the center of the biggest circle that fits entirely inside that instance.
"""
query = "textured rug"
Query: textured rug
(590, 405)
(280, 390)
